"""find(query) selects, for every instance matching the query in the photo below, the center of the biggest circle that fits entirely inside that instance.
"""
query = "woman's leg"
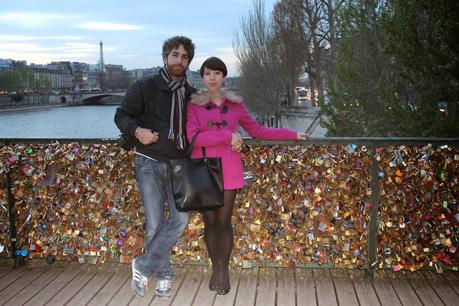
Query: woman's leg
(219, 239)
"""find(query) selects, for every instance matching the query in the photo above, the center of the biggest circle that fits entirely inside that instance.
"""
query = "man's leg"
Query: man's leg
(155, 187)
(153, 198)
(158, 250)
(148, 175)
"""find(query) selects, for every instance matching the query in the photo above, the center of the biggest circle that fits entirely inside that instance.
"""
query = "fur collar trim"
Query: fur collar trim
(202, 97)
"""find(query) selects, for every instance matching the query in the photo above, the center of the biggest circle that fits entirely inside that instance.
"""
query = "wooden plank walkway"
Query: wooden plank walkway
(73, 284)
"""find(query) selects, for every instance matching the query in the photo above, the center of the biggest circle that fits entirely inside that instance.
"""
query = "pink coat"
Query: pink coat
(217, 138)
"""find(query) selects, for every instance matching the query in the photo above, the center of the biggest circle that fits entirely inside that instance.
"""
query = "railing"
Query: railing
(342, 202)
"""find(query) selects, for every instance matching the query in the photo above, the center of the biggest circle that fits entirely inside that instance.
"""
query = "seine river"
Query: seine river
(60, 122)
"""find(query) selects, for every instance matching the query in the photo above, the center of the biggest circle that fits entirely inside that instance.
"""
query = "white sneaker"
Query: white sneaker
(139, 282)
(163, 288)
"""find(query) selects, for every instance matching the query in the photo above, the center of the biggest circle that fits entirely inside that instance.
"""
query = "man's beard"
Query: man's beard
(177, 71)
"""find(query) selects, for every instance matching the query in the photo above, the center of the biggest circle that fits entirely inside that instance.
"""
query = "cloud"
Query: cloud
(44, 57)
(28, 38)
(33, 47)
(30, 19)
(40, 54)
(226, 50)
(21, 47)
(127, 55)
(108, 26)
(226, 55)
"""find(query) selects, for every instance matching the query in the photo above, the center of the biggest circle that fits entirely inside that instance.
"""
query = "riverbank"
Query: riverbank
(15, 108)
(27, 101)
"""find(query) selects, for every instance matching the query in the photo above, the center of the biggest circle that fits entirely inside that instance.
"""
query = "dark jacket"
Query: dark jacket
(147, 104)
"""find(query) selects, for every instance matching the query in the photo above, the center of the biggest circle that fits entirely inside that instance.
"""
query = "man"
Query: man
(153, 111)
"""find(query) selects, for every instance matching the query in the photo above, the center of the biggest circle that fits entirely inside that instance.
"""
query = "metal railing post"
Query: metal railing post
(12, 219)
(374, 213)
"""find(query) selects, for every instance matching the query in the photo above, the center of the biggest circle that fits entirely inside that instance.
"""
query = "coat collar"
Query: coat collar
(162, 85)
(202, 97)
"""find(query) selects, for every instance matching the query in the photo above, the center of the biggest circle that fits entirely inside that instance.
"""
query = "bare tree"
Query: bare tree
(262, 81)
(314, 29)
(287, 29)
(330, 8)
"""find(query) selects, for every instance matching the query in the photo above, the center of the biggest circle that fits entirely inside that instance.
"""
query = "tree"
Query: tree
(424, 46)
(17, 80)
(41, 81)
(6, 81)
(307, 27)
(22, 79)
(262, 76)
(396, 60)
(359, 81)
(287, 28)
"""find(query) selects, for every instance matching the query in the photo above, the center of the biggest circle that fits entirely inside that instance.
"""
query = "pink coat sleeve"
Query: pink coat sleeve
(260, 132)
(205, 138)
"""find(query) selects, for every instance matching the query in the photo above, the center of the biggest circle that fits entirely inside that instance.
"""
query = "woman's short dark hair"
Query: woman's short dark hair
(214, 63)
(175, 42)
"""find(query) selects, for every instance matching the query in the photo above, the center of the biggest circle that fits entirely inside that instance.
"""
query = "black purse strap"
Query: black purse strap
(190, 148)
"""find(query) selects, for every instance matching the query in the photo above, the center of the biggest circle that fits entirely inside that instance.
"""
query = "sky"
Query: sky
(132, 31)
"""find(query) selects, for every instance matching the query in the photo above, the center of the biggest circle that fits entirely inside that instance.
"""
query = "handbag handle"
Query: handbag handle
(190, 148)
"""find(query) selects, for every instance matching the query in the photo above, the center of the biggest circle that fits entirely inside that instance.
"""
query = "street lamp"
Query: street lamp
(443, 107)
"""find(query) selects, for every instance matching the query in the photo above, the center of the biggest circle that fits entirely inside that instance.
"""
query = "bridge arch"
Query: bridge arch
(102, 98)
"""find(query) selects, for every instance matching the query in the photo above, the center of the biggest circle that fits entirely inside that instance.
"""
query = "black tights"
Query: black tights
(218, 235)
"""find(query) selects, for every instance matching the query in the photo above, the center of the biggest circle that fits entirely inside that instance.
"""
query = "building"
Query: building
(80, 72)
(194, 79)
(232, 83)
(138, 74)
(41, 82)
(116, 77)
(6, 64)
(19, 64)
(61, 76)
(93, 81)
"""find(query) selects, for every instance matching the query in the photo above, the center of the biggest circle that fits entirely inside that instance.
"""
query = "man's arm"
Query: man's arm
(131, 107)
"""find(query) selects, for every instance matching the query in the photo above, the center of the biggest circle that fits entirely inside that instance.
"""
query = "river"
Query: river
(90, 122)
(60, 122)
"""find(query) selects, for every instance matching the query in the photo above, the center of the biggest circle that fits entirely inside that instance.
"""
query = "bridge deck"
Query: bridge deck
(73, 284)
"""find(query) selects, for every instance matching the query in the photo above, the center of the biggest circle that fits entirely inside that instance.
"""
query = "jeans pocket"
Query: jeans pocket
(138, 160)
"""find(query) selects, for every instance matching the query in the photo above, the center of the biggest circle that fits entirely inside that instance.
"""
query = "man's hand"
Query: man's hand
(236, 142)
(146, 136)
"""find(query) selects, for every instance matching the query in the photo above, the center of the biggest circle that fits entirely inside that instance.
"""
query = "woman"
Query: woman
(217, 114)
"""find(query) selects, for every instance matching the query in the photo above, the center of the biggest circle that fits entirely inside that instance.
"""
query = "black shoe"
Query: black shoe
(223, 284)
(222, 291)
(213, 283)
(213, 287)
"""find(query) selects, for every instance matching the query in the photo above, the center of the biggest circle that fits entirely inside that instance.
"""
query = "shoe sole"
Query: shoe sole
(163, 297)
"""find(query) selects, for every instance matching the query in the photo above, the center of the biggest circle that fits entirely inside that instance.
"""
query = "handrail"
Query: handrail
(372, 144)
(453, 141)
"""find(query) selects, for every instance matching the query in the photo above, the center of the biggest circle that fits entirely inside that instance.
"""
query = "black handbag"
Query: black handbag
(197, 184)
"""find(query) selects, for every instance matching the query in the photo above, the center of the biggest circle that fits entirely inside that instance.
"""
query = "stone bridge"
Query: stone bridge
(88, 98)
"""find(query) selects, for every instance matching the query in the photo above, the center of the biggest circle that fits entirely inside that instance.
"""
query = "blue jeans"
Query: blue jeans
(161, 233)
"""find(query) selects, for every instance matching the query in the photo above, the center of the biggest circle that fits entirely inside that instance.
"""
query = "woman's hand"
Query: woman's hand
(236, 142)
(300, 136)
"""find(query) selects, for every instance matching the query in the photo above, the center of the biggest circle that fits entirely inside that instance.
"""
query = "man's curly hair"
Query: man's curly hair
(175, 42)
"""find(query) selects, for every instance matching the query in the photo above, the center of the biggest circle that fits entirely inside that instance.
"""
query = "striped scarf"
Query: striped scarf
(177, 120)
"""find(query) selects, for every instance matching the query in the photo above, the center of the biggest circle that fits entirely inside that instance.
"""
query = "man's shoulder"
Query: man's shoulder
(155, 80)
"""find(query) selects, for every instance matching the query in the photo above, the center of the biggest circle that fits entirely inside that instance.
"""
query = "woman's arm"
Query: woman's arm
(257, 131)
